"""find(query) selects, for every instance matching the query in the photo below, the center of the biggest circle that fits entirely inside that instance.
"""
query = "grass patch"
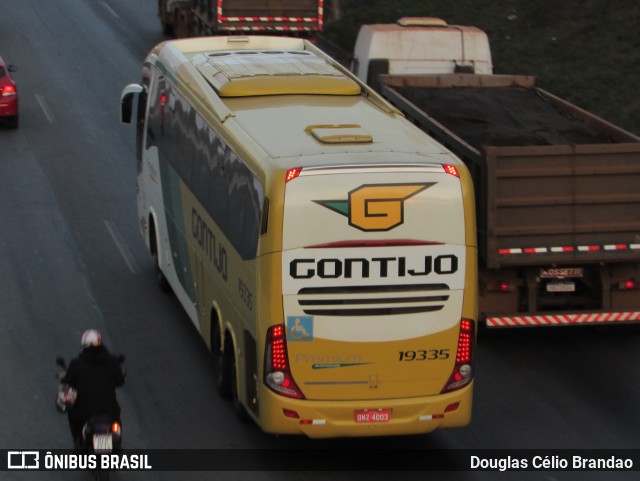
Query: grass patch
(585, 51)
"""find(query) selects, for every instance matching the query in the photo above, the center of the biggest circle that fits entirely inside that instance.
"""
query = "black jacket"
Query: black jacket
(95, 374)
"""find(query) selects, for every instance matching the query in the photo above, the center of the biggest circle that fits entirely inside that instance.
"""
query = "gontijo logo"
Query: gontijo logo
(375, 207)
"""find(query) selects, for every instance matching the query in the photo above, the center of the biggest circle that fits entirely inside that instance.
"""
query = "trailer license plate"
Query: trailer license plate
(561, 287)
(373, 415)
(557, 272)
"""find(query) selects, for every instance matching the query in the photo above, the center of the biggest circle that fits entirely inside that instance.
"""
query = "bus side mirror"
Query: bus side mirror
(126, 101)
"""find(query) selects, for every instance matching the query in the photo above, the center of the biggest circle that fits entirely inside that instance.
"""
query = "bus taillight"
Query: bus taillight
(277, 375)
(463, 370)
(292, 174)
(451, 170)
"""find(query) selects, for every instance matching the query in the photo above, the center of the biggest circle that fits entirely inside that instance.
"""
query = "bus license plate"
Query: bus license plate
(373, 415)
(103, 442)
(561, 287)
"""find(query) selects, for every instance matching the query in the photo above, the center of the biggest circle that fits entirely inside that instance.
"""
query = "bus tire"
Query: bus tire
(162, 281)
(238, 407)
(222, 362)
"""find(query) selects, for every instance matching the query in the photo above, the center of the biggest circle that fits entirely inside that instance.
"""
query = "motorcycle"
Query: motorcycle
(101, 434)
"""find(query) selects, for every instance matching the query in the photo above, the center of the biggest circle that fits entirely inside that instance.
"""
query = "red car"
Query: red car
(8, 95)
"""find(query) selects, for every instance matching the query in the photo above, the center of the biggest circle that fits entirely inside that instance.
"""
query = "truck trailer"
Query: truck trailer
(557, 193)
(192, 18)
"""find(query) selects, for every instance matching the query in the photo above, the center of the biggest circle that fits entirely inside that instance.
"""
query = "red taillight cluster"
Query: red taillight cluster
(465, 342)
(278, 348)
(292, 174)
(451, 170)
(629, 285)
(8, 90)
(277, 375)
(463, 370)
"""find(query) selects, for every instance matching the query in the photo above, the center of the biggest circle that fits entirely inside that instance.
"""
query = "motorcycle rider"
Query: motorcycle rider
(94, 374)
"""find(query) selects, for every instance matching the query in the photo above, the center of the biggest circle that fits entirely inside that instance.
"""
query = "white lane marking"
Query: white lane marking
(122, 247)
(111, 10)
(45, 108)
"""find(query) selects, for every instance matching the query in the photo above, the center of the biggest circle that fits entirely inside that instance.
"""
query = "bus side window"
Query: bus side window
(156, 106)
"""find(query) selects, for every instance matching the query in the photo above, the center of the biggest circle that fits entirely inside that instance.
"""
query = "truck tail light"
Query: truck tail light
(463, 369)
(277, 375)
(629, 285)
(499, 286)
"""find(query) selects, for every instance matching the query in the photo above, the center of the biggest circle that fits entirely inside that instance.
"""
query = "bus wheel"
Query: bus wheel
(235, 399)
(222, 362)
(160, 278)
(162, 281)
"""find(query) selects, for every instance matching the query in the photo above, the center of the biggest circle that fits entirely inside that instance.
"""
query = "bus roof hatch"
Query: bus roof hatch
(250, 73)
(339, 134)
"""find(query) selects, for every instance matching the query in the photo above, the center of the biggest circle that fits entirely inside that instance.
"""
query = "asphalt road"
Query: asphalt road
(72, 259)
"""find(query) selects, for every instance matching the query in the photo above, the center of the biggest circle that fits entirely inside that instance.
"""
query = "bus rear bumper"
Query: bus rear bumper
(388, 417)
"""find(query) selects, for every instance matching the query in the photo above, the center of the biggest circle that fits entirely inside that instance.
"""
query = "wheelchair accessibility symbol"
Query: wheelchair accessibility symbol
(299, 328)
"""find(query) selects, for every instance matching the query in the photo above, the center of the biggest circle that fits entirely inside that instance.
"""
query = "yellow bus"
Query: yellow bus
(323, 246)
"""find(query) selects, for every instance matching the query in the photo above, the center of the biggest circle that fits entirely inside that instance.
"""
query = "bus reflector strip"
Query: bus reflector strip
(563, 319)
(561, 249)
(317, 422)
(450, 408)
(431, 417)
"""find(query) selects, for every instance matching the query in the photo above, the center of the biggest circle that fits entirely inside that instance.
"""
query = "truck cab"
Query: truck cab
(420, 45)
